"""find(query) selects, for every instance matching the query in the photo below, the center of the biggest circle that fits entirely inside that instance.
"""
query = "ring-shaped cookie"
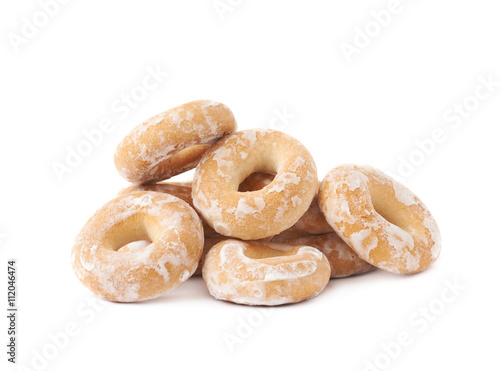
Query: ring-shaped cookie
(383, 221)
(171, 225)
(264, 212)
(264, 273)
(172, 142)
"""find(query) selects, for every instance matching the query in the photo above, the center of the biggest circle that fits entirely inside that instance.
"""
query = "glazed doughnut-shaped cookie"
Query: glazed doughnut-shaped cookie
(384, 222)
(264, 212)
(174, 230)
(343, 260)
(255, 273)
(172, 142)
(181, 190)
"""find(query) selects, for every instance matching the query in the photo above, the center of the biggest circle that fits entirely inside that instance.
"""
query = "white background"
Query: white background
(260, 58)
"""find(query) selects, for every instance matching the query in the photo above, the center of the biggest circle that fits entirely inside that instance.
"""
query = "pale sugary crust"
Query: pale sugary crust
(261, 213)
(344, 262)
(380, 219)
(171, 225)
(258, 273)
(172, 142)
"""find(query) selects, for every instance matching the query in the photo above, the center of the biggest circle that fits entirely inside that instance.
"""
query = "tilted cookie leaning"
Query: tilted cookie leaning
(172, 142)
(383, 221)
(171, 225)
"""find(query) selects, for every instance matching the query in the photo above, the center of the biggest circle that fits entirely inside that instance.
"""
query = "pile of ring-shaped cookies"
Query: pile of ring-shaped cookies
(255, 222)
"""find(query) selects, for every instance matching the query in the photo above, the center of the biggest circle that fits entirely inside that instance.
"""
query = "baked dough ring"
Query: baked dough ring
(256, 273)
(172, 142)
(176, 236)
(343, 260)
(265, 212)
(384, 222)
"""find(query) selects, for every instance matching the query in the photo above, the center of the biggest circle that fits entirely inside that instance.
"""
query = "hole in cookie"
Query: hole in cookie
(256, 181)
(391, 212)
(135, 245)
(133, 233)
(386, 206)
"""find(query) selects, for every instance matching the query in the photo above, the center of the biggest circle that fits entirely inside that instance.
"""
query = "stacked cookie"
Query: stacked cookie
(254, 221)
